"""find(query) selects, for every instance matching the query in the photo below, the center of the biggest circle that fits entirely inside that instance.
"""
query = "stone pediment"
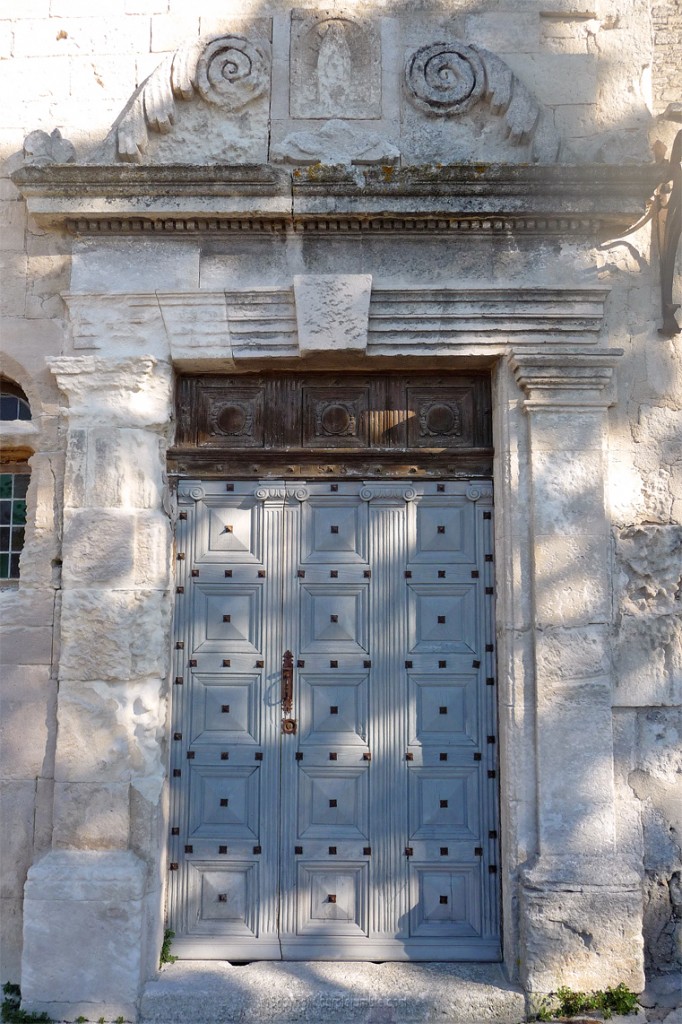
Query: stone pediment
(334, 88)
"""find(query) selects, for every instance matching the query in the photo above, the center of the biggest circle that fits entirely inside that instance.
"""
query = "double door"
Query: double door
(333, 756)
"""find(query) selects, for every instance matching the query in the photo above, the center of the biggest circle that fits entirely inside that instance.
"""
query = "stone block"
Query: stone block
(504, 31)
(559, 431)
(31, 9)
(568, 492)
(114, 636)
(557, 78)
(88, 816)
(571, 586)
(26, 645)
(116, 549)
(17, 800)
(94, 903)
(13, 292)
(332, 312)
(128, 392)
(28, 604)
(171, 31)
(645, 652)
(115, 469)
(578, 653)
(13, 220)
(110, 731)
(138, 265)
(26, 694)
(579, 935)
(11, 913)
(76, 36)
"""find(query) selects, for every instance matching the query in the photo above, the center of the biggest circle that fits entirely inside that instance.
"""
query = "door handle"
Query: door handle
(287, 690)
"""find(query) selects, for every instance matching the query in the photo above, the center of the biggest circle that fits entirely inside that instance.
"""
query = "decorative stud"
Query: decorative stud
(261, 574)
(175, 831)
(492, 834)
(179, 590)
(367, 664)
(226, 663)
(192, 663)
(229, 529)
(441, 620)
(442, 710)
(298, 850)
(222, 897)
(258, 849)
(227, 618)
(492, 869)
(367, 851)
(331, 897)
(408, 851)
(443, 899)
(408, 664)
(334, 574)
(224, 802)
(333, 488)
(333, 618)
(441, 529)
(332, 851)
(177, 773)
(442, 664)
(229, 487)
(408, 574)
(179, 645)
(333, 529)
(228, 573)
(177, 735)
(443, 757)
(443, 803)
(409, 756)
(440, 488)
(299, 755)
(333, 664)
(173, 866)
(333, 710)
(492, 774)
(182, 515)
(222, 849)
(489, 591)
(189, 849)
(181, 556)
(367, 756)
(487, 515)
(195, 572)
(441, 574)
(260, 663)
(258, 756)
(367, 574)
(444, 851)
(491, 739)
(224, 756)
(301, 574)
(489, 648)
(179, 680)
(478, 851)
(490, 681)
(489, 558)
(190, 755)
(475, 663)
(475, 574)
(300, 663)
(333, 756)
(478, 756)
(332, 803)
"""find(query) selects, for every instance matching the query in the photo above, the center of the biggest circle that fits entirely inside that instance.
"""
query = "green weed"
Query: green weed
(166, 957)
(11, 1008)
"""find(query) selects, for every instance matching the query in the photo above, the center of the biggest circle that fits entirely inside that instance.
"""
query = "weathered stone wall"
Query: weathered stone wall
(602, 73)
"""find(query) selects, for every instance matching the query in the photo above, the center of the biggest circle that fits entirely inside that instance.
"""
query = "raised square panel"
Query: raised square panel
(442, 618)
(225, 710)
(444, 803)
(333, 710)
(445, 531)
(224, 803)
(444, 711)
(227, 530)
(441, 417)
(332, 803)
(226, 618)
(232, 418)
(223, 899)
(445, 903)
(333, 530)
(336, 417)
(333, 618)
(346, 913)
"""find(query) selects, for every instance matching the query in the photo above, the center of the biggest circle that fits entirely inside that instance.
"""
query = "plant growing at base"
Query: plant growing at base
(11, 1008)
(165, 956)
(567, 1003)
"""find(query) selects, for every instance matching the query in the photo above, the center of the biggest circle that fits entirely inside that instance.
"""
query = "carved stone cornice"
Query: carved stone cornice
(566, 380)
(454, 199)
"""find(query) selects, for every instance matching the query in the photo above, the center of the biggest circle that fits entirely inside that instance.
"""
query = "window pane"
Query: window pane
(19, 512)
(8, 407)
(4, 566)
(21, 484)
(13, 487)
(5, 512)
(6, 485)
(17, 539)
(14, 567)
(4, 538)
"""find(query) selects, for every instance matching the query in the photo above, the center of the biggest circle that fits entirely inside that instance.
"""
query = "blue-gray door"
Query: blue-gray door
(333, 783)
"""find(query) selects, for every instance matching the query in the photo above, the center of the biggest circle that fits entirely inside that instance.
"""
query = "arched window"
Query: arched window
(14, 481)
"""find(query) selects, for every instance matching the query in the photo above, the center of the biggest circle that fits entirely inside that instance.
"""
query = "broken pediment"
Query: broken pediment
(336, 94)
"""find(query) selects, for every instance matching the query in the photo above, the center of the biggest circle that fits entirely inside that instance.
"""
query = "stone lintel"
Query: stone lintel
(332, 312)
(138, 199)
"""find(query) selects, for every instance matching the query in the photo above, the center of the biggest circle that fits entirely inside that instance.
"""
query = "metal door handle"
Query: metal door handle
(287, 683)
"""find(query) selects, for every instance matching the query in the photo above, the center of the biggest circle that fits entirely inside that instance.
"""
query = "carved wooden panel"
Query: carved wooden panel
(365, 423)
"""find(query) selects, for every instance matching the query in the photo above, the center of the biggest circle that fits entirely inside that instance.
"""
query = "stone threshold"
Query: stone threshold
(276, 992)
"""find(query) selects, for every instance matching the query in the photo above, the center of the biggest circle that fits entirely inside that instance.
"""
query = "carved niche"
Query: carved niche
(335, 66)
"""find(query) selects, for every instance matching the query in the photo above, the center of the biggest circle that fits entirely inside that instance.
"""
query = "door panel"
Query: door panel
(367, 830)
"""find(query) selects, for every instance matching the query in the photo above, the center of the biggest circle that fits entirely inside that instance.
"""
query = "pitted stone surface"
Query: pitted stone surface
(211, 992)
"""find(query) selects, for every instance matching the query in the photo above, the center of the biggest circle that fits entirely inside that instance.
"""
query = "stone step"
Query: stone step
(267, 992)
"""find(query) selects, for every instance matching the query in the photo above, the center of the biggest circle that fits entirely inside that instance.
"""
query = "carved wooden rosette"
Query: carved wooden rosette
(367, 424)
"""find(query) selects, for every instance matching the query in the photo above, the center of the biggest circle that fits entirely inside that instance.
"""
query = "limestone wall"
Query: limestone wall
(603, 70)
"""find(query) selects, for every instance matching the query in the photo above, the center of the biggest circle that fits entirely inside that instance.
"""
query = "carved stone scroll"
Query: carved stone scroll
(229, 71)
(447, 79)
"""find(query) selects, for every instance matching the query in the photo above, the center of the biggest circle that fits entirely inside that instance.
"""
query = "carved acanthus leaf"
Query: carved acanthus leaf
(229, 71)
(41, 149)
